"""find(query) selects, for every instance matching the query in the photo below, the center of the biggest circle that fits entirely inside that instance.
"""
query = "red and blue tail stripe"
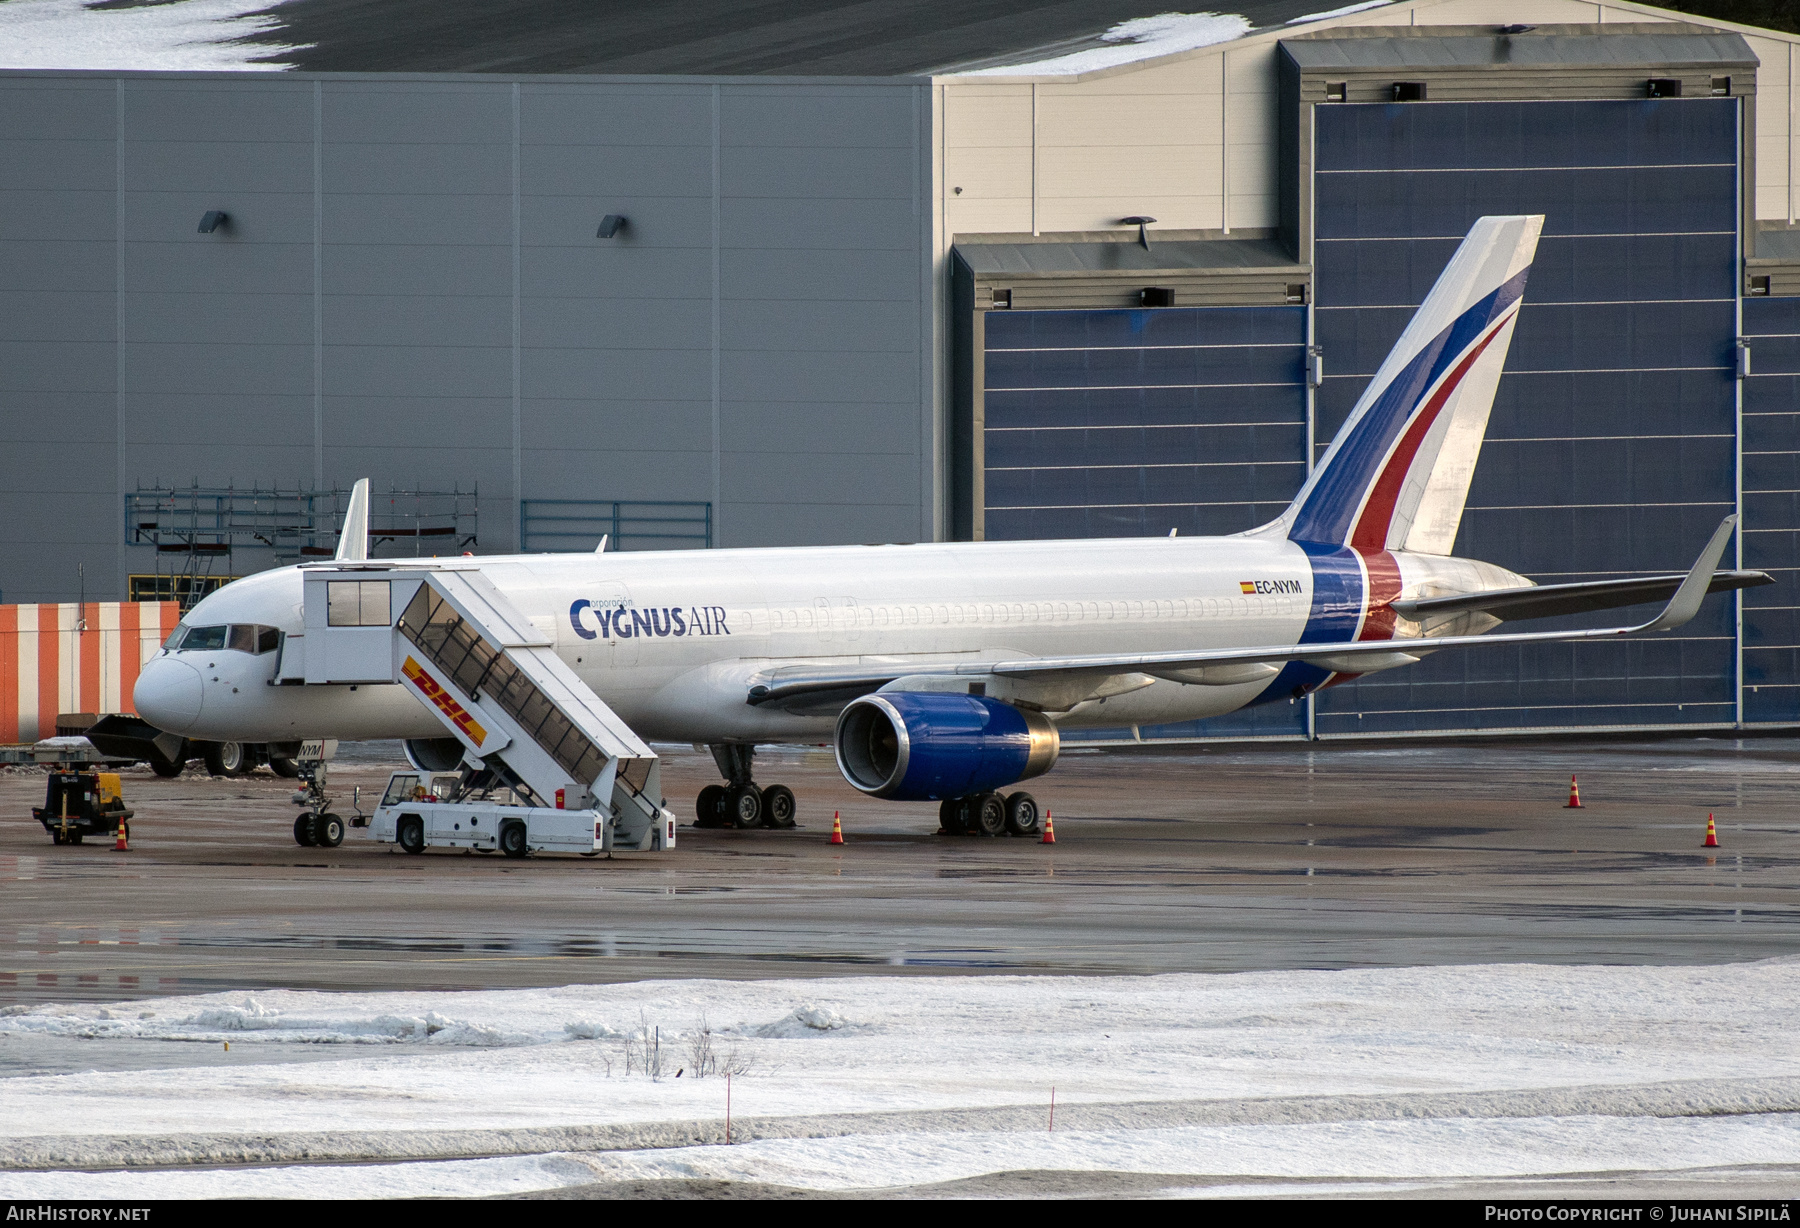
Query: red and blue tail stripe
(1352, 502)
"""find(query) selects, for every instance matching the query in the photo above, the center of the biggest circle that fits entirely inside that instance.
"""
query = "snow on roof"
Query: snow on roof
(182, 35)
(1343, 12)
(1129, 41)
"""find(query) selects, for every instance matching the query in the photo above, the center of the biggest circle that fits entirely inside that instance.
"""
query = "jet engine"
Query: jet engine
(434, 754)
(925, 746)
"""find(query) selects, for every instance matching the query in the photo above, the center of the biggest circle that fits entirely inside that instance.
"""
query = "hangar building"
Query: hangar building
(748, 287)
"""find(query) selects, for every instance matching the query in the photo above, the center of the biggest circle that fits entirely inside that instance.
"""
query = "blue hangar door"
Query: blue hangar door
(1612, 450)
(1129, 423)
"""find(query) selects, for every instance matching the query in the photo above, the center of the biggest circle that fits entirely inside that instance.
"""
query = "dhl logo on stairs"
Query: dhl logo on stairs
(459, 715)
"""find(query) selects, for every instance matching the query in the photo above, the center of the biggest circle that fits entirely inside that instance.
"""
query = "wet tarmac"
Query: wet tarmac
(1187, 859)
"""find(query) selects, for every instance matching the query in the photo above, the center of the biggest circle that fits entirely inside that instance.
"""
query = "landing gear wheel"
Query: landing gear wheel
(304, 831)
(744, 806)
(328, 831)
(778, 806)
(1022, 814)
(410, 835)
(987, 814)
(512, 840)
(282, 766)
(227, 758)
(953, 817)
(168, 769)
(709, 808)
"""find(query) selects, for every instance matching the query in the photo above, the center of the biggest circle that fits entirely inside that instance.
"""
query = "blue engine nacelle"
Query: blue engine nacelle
(926, 745)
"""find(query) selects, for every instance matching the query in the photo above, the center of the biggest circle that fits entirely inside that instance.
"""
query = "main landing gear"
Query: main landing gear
(989, 814)
(741, 802)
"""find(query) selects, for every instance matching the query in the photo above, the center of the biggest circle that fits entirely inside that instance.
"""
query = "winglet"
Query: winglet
(353, 542)
(1686, 601)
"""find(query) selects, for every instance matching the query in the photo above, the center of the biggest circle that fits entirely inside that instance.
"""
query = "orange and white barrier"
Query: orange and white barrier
(74, 658)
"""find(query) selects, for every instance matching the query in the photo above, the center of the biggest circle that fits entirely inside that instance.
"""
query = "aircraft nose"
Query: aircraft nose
(168, 695)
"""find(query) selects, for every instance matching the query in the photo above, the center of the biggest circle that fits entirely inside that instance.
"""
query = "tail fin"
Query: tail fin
(1398, 472)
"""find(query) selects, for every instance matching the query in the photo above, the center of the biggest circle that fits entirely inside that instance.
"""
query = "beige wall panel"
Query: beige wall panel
(1181, 76)
(1104, 212)
(1615, 13)
(1172, 171)
(1484, 12)
(988, 174)
(967, 217)
(1399, 15)
(1111, 120)
(978, 117)
(1771, 202)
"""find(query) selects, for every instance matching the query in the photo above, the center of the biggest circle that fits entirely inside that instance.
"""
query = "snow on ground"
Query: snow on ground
(1426, 1151)
(1141, 38)
(516, 1058)
(174, 35)
(1565, 1043)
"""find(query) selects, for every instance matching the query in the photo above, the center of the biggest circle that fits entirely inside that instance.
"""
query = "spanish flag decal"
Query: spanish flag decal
(440, 698)
(1248, 586)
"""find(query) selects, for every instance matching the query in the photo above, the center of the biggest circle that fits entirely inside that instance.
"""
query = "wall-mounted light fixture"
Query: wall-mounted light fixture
(212, 220)
(1140, 223)
(611, 225)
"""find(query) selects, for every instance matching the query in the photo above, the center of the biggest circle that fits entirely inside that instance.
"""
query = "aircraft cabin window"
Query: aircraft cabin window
(204, 639)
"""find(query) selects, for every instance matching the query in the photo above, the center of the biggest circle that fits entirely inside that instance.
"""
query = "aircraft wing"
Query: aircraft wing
(1550, 600)
(825, 681)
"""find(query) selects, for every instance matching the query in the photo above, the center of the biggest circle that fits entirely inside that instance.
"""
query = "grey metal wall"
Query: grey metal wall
(410, 288)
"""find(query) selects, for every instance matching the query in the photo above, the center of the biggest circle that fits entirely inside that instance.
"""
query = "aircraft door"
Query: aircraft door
(599, 633)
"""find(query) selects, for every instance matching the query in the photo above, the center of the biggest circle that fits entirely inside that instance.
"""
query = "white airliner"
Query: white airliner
(946, 671)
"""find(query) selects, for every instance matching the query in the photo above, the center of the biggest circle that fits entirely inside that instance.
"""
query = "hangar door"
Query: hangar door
(1133, 423)
(1612, 449)
(1771, 442)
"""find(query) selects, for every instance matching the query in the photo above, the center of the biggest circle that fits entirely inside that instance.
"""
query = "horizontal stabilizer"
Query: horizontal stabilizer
(1551, 600)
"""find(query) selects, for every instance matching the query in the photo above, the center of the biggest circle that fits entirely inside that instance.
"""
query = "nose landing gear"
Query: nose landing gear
(741, 802)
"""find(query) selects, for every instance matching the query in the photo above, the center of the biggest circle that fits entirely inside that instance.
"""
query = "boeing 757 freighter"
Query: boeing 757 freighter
(947, 671)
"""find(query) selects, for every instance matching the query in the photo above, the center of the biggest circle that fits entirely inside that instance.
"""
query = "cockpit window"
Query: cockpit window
(204, 639)
(175, 637)
(238, 637)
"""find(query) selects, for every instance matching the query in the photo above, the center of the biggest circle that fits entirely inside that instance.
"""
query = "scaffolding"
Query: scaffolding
(193, 531)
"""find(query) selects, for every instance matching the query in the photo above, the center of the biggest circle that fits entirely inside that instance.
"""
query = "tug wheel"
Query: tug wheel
(227, 758)
(411, 834)
(512, 840)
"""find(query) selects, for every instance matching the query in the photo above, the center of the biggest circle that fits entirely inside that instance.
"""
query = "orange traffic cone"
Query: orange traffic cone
(1574, 794)
(1712, 834)
(1049, 829)
(119, 844)
(837, 829)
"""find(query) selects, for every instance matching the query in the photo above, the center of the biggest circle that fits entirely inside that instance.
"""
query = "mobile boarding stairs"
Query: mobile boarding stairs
(525, 720)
